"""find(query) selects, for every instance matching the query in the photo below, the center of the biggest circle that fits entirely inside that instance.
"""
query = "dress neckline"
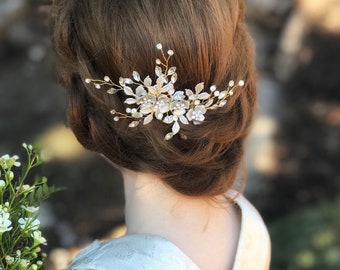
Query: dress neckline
(252, 250)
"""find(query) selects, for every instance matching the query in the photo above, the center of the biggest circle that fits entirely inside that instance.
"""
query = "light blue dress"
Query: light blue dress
(132, 252)
(139, 251)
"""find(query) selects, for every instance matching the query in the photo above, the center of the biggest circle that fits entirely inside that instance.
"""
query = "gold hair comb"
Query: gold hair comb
(161, 101)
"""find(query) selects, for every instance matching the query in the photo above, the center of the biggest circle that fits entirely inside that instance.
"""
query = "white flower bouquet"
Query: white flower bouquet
(20, 236)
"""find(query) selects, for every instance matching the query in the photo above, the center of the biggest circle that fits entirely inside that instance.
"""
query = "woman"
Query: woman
(176, 131)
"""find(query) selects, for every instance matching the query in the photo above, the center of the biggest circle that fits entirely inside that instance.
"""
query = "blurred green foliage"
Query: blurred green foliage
(307, 239)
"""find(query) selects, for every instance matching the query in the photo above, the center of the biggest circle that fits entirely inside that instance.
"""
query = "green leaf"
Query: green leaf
(43, 192)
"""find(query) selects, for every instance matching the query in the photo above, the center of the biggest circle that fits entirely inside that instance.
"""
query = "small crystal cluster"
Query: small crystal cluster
(161, 100)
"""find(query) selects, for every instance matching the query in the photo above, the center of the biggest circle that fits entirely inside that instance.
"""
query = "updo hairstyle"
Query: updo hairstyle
(115, 37)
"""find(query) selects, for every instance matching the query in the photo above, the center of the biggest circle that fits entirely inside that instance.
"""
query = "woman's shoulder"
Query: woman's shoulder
(254, 247)
(137, 251)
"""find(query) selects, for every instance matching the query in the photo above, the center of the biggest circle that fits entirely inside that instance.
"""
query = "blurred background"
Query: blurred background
(293, 153)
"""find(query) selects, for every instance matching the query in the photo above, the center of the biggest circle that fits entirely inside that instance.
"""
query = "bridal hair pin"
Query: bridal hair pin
(161, 100)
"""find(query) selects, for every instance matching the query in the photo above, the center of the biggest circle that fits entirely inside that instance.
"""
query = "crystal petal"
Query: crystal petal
(175, 128)
(199, 87)
(222, 103)
(128, 81)
(171, 71)
(146, 110)
(189, 92)
(130, 101)
(136, 76)
(184, 120)
(121, 81)
(168, 136)
(223, 94)
(201, 109)
(158, 71)
(128, 91)
(189, 114)
(112, 91)
(209, 103)
(203, 96)
(160, 82)
(148, 119)
(137, 115)
(165, 108)
(166, 88)
(153, 91)
(201, 118)
(134, 124)
(147, 81)
(168, 119)
(174, 78)
(159, 116)
(140, 91)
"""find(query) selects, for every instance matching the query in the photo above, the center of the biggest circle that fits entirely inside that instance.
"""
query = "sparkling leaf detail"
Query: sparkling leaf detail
(128, 81)
(147, 81)
(175, 128)
(158, 71)
(223, 94)
(146, 110)
(189, 93)
(174, 78)
(171, 71)
(223, 103)
(204, 96)
(134, 124)
(128, 91)
(130, 101)
(148, 119)
(112, 91)
(167, 88)
(168, 119)
(209, 103)
(136, 76)
(184, 120)
(199, 87)
(137, 115)
(121, 81)
(168, 136)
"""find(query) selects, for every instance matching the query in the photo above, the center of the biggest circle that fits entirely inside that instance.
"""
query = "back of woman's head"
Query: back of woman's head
(114, 38)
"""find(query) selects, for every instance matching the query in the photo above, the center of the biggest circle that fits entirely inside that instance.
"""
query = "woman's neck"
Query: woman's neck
(154, 208)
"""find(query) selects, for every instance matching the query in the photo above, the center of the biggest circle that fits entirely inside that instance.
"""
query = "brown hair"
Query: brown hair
(97, 38)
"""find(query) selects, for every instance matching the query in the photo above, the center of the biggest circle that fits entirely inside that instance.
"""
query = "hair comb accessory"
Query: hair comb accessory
(161, 101)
